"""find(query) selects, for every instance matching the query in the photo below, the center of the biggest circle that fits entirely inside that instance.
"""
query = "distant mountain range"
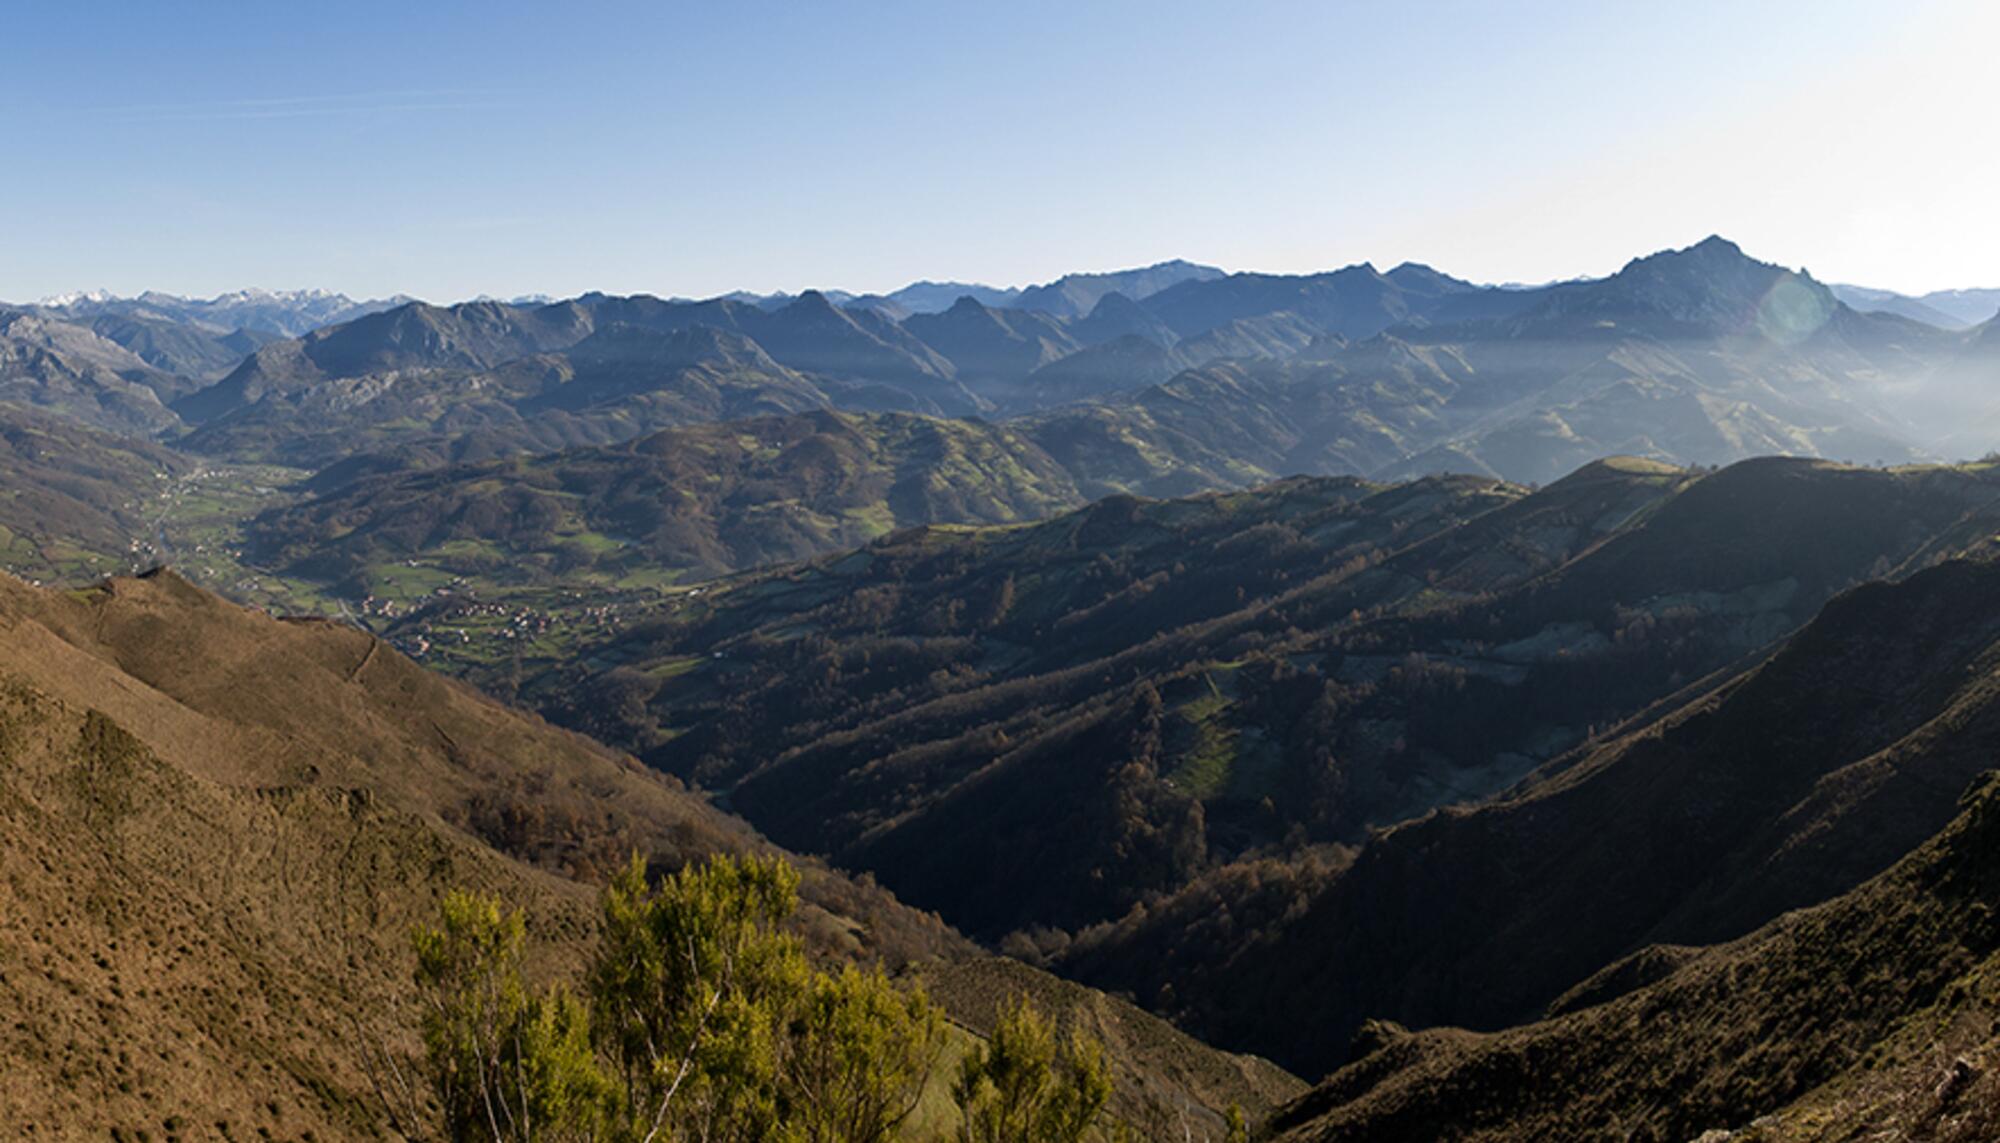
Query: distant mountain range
(1162, 380)
(1070, 296)
(1946, 309)
(1700, 356)
(273, 314)
(292, 313)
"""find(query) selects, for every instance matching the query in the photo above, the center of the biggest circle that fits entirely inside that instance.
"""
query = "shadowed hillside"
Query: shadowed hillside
(1870, 1016)
(1784, 786)
(1128, 698)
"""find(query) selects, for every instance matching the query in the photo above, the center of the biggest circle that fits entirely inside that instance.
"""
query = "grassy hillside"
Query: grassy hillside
(683, 504)
(219, 827)
(74, 501)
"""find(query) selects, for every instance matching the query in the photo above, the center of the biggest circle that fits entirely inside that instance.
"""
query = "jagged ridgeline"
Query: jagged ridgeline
(1184, 374)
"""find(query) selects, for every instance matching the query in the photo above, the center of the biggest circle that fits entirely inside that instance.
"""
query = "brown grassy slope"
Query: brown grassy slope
(195, 960)
(241, 698)
(216, 829)
(1855, 1005)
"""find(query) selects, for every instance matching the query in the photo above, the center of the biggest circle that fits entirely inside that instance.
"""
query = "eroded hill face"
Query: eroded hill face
(68, 370)
(181, 956)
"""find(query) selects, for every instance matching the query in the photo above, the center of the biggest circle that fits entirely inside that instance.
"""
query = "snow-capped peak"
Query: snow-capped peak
(58, 301)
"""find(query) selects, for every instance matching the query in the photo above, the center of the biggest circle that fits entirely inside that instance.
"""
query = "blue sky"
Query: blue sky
(448, 150)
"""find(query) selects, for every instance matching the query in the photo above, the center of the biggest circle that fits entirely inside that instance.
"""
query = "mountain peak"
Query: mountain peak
(810, 301)
(813, 307)
(59, 301)
(1428, 279)
(967, 306)
(1714, 251)
(1712, 286)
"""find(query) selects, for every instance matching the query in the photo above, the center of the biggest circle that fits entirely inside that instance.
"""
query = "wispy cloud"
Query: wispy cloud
(308, 106)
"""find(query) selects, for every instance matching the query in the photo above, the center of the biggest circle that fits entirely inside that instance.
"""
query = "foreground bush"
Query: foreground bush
(702, 1019)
